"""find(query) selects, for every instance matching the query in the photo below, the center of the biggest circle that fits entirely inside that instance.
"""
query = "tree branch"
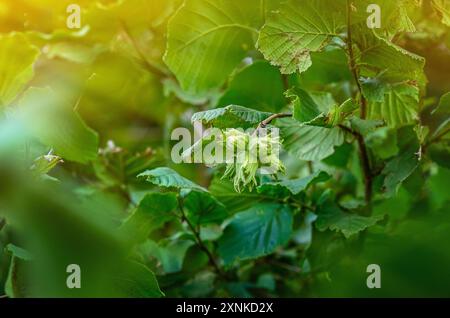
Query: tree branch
(200, 242)
(285, 79)
(367, 171)
(269, 120)
(352, 61)
(365, 163)
(363, 153)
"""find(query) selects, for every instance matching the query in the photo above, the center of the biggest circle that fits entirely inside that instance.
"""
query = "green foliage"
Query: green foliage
(57, 126)
(256, 232)
(294, 187)
(138, 282)
(170, 254)
(230, 116)
(17, 56)
(310, 25)
(399, 168)
(319, 109)
(168, 178)
(396, 15)
(266, 96)
(152, 213)
(331, 217)
(234, 201)
(211, 24)
(443, 6)
(309, 142)
(86, 177)
(394, 78)
(398, 107)
(202, 208)
(15, 285)
(437, 120)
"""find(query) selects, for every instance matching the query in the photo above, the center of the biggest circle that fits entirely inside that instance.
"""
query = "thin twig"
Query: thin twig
(288, 267)
(438, 137)
(352, 61)
(285, 79)
(269, 120)
(200, 242)
(363, 153)
(365, 163)
(346, 129)
(2, 223)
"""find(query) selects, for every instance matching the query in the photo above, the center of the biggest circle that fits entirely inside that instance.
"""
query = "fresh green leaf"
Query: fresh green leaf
(363, 126)
(266, 95)
(202, 208)
(443, 112)
(396, 207)
(138, 281)
(256, 232)
(328, 67)
(17, 57)
(298, 28)
(396, 16)
(339, 113)
(319, 109)
(399, 168)
(295, 186)
(438, 119)
(383, 142)
(377, 57)
(306, 109)
(56, 125)
(310, 143)
(341, 156)
(19, 252)
(16, 284)
(171, 255)
(168, 178)
(224, 191)
(199, 50)
(231, 116)
(152, 213)
(400, 106)
(331, 217)
(44, 165)
(391, 78)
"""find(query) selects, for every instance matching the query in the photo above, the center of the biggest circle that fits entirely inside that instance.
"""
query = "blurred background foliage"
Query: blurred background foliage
(85, 111)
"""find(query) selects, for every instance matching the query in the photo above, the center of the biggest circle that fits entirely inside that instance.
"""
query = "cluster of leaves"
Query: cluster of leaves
(85, 129)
